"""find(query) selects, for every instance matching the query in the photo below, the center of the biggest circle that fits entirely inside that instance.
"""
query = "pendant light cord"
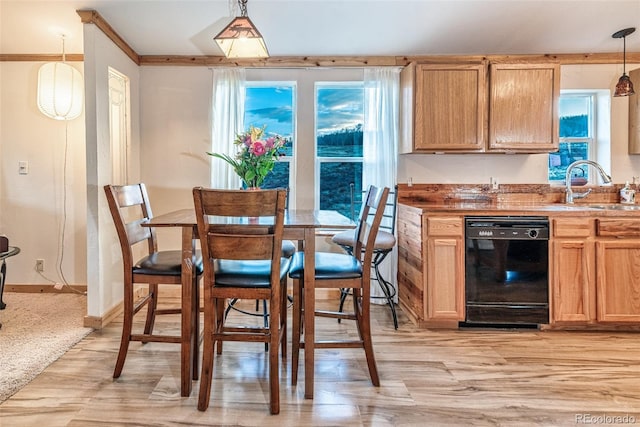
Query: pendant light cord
(624, 55)
(243, 7)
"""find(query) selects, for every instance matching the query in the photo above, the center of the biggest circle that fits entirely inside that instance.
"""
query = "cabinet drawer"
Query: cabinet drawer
(572, 227)
(445, 226)
(618, 227)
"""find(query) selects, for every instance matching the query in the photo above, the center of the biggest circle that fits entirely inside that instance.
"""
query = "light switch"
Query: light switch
(23, 167)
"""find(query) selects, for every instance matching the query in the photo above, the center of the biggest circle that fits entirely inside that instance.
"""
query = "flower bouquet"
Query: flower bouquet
(256, 156)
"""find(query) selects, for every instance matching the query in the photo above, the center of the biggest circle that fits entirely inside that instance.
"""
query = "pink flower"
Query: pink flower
(270, 142)
(258, 148)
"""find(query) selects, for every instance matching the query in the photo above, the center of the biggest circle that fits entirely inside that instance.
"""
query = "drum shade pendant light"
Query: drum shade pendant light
(624, 86)
(241, 39)
(60, 90)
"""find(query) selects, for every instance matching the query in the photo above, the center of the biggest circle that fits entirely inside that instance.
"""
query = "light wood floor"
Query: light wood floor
(429, 377)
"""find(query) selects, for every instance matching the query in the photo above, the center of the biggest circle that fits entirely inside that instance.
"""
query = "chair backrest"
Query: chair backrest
(240, 225)
(129, 206)
(367, 227)
(388, 222)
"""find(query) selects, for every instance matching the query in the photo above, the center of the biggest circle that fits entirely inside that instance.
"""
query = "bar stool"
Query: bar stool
(384, 244)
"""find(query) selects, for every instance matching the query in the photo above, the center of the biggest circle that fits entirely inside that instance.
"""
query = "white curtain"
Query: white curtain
(226, 122)
(380, 150)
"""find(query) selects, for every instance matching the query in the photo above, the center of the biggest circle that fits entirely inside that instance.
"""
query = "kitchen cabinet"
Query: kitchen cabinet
(445, 268)
(572, 270)
(431, 267)
(458, 108)
(523, 109)
(618, 270)
(595, 275)
(634, 116)
(443, 107)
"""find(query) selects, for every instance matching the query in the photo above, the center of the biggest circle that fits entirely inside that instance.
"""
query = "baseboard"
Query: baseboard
(45, 289)
(100, 322)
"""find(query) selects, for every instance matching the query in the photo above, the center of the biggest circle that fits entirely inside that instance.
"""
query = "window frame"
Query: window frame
(592, 132)
(319, 160)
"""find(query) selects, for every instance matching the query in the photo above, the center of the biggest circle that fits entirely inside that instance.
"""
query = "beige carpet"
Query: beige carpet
(36, 330)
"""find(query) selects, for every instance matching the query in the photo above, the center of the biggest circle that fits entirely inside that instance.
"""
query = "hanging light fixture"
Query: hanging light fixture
(241, 39)
(624, 86)
(60, 90)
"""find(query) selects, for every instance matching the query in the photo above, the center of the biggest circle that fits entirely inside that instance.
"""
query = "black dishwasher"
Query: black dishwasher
(506, 271)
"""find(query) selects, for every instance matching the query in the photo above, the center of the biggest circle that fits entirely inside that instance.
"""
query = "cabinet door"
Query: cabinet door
(573, 281)
(450, 107)
(618, 280)
(445, 268)
(523, 107)
(445, 278)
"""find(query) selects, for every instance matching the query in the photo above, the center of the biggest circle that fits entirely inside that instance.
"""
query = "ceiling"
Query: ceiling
(332, 27)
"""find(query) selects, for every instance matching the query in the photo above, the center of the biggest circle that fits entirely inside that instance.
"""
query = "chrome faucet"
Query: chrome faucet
(606, 179)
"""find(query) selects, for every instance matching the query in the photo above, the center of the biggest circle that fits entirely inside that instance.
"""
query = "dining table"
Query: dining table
(299, 225)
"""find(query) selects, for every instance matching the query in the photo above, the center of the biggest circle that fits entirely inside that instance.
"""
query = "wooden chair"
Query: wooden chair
(343, 271)
(130, 207)
(243, 260)
(288, 249)
(384, 244)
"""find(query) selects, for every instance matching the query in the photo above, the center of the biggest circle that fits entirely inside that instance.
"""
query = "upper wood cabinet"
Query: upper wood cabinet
(443, 107)
(523, 107)
(461, 108)
(634, 116)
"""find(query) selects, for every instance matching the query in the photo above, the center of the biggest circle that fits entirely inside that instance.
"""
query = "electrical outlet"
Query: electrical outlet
(40, 265)
(494, 183)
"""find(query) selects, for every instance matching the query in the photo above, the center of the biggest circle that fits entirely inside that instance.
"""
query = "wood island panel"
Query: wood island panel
(410, 262)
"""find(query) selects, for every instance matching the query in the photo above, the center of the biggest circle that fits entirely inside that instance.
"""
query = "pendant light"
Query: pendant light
(624, 86)
(60, 90)
(241, 39)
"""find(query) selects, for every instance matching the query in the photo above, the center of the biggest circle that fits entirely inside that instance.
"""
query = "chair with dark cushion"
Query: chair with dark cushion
(288, 249)
(384, 244)
(343, 271)
(129, 206)
(242, 260)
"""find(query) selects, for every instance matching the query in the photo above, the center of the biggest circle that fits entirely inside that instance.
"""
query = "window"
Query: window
(338, 129)
(577, 136)
(272, 104)
(286, 101)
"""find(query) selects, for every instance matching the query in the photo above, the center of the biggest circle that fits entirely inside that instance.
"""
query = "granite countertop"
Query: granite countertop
(534, 209)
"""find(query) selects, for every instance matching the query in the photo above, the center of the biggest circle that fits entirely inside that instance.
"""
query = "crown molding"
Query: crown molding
(89, 16)
(36, 57)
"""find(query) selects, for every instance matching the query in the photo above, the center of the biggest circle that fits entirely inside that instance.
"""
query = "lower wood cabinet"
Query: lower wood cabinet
(431, 267)
(445, 268)
(618, 270)
(594, 269)
(572, 270)
(595, 275)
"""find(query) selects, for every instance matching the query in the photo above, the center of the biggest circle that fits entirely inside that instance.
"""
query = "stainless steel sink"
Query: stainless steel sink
(615, 206)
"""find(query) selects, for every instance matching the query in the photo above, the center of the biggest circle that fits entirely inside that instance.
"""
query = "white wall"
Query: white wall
(104, 258)
(31, 206)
